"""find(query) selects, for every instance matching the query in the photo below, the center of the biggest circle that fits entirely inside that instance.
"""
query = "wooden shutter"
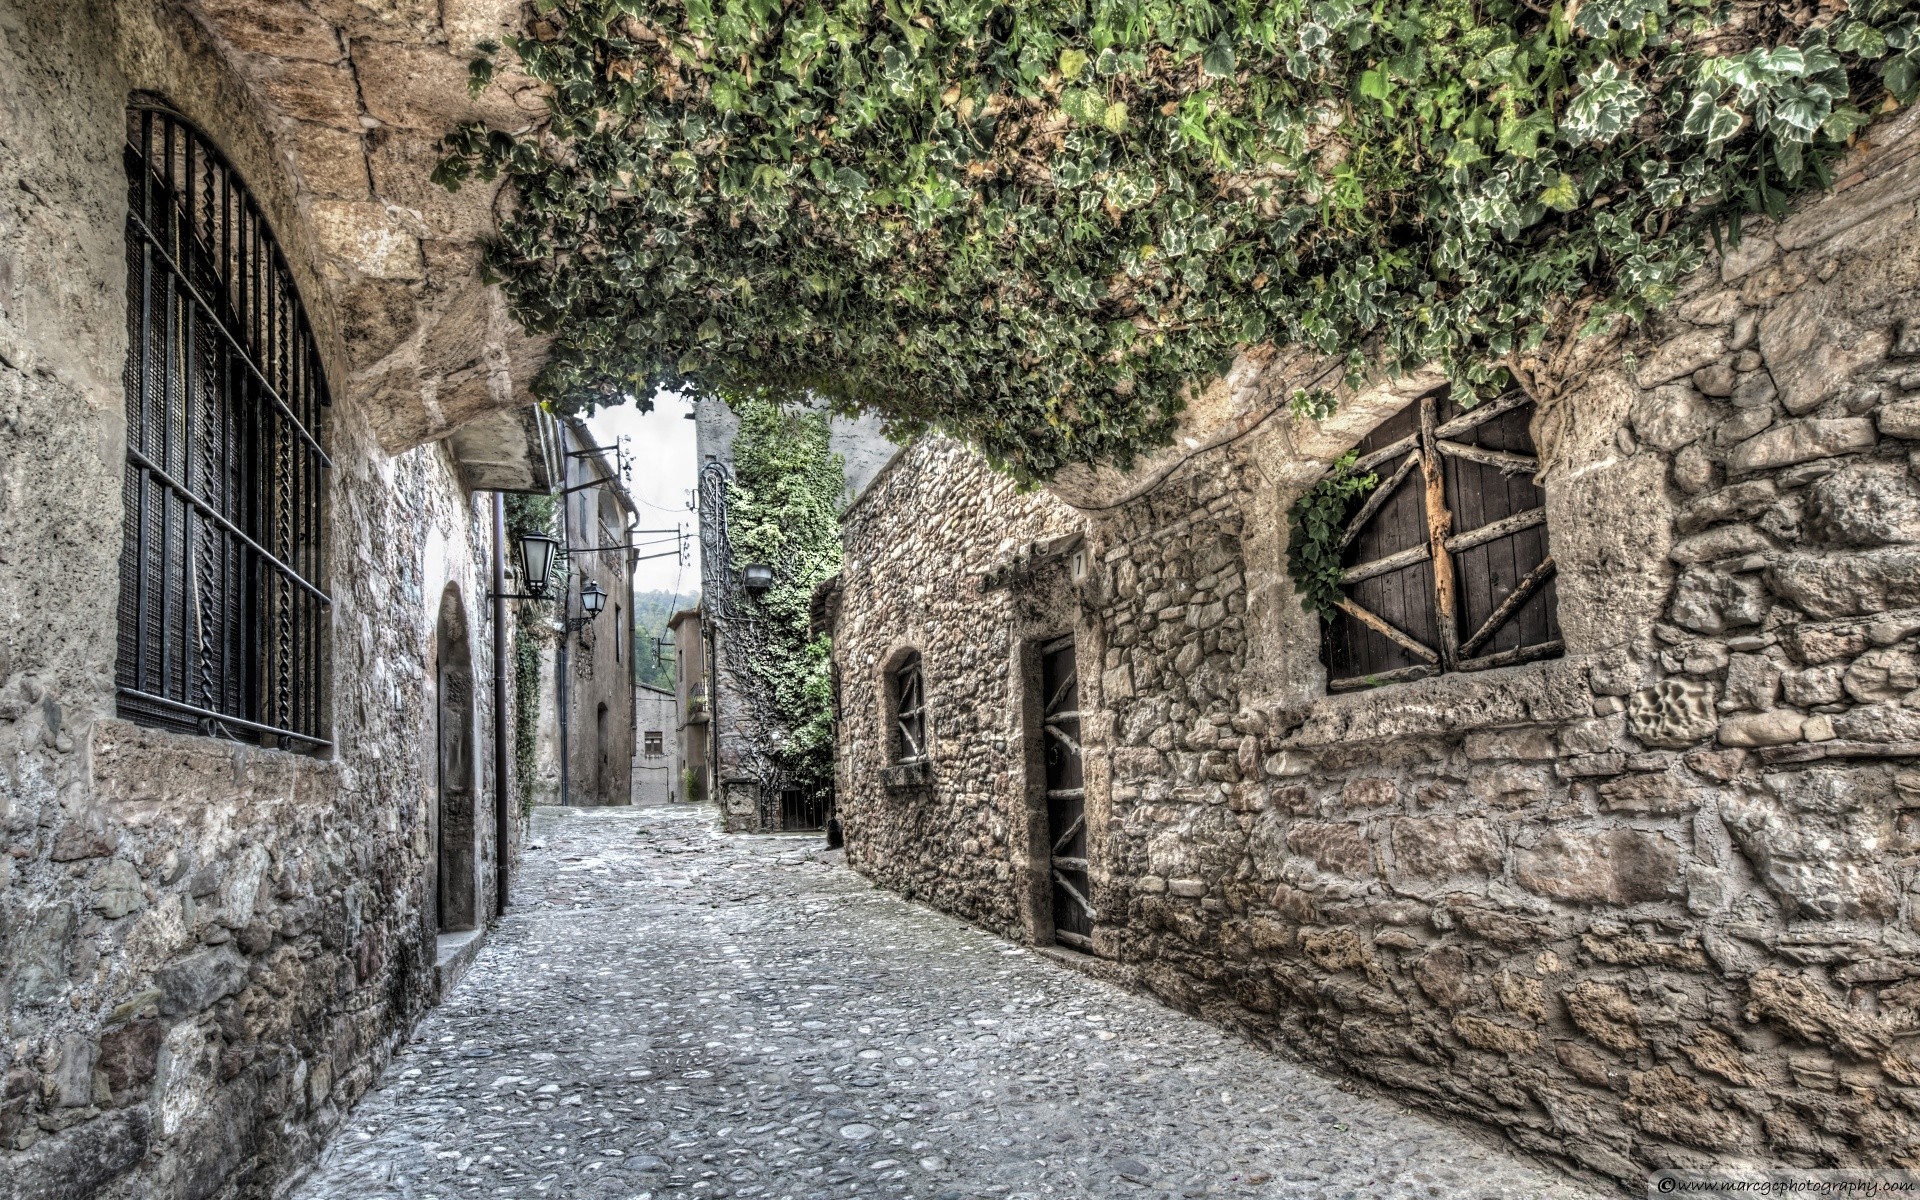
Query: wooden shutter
(1447, 564)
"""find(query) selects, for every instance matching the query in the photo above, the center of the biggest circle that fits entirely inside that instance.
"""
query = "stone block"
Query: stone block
(1369, 793)
(1606, 1014)
(1671, 417)
(1825, 586)
(1741, 502)
(1774, 728)
(1673, 713)
(1755, 389)
(1431, 847)
(1650, 794)
(1682, 355)
(1901, 419)
(1494, 1036)
(1888, 673)
(370, 236)
(1187, 889)
(1617, 866)
(315, 93)
(1525, 744)
(1865, 504)
(1715, 379)
(192, 983)
(1338, 846)
(117, 890)
(1891, 723)
(129, 1055)
(1509, 786)
(82, 1160)
(1802, 441)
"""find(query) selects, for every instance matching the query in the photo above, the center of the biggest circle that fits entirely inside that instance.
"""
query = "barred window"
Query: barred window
(222, 614)
(909, 711)
(1447, 564)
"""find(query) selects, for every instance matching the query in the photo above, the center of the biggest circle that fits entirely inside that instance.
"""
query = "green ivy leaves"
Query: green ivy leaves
(1041, 227)
(1314, 527)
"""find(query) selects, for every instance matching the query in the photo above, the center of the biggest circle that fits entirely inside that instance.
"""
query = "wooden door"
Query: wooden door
(1073, 913)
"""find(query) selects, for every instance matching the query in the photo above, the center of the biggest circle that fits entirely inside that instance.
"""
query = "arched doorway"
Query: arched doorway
(454, 865)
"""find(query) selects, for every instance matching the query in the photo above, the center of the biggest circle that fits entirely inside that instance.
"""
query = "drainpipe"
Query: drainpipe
(560, 697)
(501, 823)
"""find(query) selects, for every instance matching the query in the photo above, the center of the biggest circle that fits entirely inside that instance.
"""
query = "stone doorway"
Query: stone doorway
(454, 844)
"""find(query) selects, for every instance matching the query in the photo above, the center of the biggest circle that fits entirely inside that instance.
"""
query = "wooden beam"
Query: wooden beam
(1079, 941)
(1509, 464)
(1072, 829)
(1073, 891)
(1480, 414)
(1496, 530)
(1528, 584)
(1384, 454)
(1061, 863)
(1380, 496)
(1380, 679)
(1439, 527)
(1380, 626)
(1507, 658)
(1380, 566)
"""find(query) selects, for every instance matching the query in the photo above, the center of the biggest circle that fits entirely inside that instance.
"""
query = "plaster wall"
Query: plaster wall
(210, 947)
(1650, 904)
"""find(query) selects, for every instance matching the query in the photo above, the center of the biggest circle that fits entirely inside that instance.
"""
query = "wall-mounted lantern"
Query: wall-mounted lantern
(592, 599)
(537, 552)
(757, 577)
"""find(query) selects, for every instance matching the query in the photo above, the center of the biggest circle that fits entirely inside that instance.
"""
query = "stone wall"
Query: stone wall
(209, 947)
(1650, 904)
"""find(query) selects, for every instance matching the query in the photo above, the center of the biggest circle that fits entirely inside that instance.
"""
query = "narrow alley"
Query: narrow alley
(669, 1011)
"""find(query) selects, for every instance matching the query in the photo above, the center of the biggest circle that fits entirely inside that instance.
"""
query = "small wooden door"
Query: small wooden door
(1073, 913)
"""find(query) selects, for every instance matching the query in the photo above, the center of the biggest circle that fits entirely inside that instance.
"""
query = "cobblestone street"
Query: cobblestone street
(669, 1012)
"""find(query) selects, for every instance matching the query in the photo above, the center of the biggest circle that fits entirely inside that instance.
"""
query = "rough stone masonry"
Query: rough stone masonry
(209, 946)
(1648, 904)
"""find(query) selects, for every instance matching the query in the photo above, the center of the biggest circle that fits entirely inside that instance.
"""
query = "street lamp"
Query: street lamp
(757, 577)
(537, 552)
(592, 600)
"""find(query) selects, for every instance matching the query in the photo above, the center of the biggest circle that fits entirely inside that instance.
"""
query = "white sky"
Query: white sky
(664, 470)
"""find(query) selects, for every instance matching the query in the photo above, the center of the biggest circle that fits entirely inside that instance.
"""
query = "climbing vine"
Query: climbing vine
(531, 638)
(1314, 526)
(1039, 226)
(783, 510)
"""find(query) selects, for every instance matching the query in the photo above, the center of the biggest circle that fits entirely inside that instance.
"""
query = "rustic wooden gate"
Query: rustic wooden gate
(1073, 913)
(1447, 567)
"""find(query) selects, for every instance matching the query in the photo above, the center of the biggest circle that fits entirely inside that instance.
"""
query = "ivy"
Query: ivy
(531, 638)
(783, 509)
(1315, 523)
(1040, 226)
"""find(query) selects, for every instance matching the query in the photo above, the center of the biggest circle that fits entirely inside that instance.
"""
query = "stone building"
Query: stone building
(253, 393)
(656, 747)
(690, 733)
(738, 719)
(1624, 869)
(592, 660)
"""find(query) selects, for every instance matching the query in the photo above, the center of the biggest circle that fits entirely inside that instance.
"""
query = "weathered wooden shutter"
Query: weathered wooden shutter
(1447, 565)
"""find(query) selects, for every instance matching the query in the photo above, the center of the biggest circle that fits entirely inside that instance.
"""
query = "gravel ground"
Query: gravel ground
(672, 1012)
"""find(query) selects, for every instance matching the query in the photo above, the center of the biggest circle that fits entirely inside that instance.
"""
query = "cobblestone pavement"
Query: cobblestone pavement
(672, 1012)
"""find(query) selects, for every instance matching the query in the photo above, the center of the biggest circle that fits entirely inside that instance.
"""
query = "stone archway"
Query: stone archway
(455, 844)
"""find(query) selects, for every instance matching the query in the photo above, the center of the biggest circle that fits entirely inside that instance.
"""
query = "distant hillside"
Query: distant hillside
(653, 661)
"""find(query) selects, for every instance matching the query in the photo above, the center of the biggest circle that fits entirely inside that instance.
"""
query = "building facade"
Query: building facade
(1589, 814)
(692, 738)
(593, 656)
(740, 725)
(656, 752)
(253, 398)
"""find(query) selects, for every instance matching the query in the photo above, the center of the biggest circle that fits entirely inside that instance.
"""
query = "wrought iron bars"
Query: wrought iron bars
(222, 617)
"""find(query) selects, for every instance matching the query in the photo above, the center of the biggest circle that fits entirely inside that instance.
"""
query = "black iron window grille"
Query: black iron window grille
(222, 615)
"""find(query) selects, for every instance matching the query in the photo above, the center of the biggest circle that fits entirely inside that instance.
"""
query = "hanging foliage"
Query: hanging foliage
(783, 510)
(531, 638)
(1039, 226)
(1315, 523)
